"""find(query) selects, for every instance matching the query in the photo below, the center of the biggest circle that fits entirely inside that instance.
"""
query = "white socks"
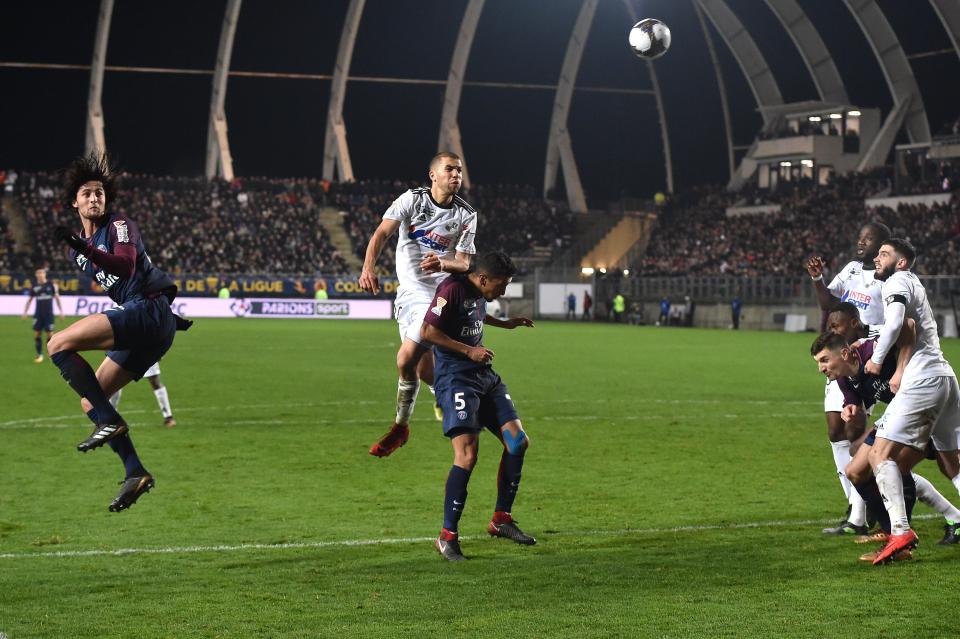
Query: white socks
(956, 482)
(891, 488)
(841, 457)
(932, 497)
(163, 401)
(406, 399)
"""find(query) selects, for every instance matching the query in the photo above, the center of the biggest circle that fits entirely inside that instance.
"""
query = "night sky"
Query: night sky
(157, 123)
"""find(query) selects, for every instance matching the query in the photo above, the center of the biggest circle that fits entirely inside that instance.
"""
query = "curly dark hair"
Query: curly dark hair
(93, 167)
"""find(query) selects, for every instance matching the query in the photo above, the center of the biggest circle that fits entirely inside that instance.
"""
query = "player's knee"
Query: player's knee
(856, 475)
(466, 459)
(85, 405)
(515, 444)
(56, 343)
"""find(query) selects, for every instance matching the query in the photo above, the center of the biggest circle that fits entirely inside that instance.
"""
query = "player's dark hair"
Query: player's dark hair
(439, 156)
(830, 341)
(904, 249)
(847, 308)
(881, 230)
(496, 264)
(89, 168)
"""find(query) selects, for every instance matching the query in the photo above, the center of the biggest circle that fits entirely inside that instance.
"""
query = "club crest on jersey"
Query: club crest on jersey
(438, 309)
(122, 234)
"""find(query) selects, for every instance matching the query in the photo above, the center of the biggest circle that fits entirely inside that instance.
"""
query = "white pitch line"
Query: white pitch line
(225, 548)
(184, 409)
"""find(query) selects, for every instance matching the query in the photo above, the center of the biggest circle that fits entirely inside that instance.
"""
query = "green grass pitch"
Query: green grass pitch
(677, 481)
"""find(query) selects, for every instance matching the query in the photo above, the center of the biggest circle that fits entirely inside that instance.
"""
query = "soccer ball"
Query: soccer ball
(649, 38)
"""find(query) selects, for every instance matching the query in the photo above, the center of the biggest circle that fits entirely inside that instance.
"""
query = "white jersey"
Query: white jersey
(927, 361)
(858, 286)
(426, 227)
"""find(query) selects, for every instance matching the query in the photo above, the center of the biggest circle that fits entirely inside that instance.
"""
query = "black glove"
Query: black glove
(71, 239)
(182, 324)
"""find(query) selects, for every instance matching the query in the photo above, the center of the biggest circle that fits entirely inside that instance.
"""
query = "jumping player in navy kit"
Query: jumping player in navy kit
(473, 396)
(44, 293)
(136, 333)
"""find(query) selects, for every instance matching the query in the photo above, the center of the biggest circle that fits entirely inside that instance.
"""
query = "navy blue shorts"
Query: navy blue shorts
(143, 331)
(930, 450)
(474, 400)
(43, 323)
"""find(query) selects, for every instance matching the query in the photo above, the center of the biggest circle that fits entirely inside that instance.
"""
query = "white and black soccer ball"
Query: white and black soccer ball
(649, 38)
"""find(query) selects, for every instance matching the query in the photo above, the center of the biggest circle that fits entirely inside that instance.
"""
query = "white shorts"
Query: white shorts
(832, 398)
(153, 371)
(410, 312)
(925, 409)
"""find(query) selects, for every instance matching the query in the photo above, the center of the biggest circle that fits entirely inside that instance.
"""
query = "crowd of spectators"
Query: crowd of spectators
(698, 237)
(192, 225)
(271, 226)
(512, 218)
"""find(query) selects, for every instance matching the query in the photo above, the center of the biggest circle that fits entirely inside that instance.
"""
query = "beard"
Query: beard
(883, 273)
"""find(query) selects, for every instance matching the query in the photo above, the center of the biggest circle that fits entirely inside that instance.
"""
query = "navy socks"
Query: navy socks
(123, 447)
(83, 381)
(508, 480)
(455, 498)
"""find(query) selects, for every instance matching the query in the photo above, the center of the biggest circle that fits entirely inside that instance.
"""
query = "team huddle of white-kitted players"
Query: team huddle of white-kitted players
(923, 413)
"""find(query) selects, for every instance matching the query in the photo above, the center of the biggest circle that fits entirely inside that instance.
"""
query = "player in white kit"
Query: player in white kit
(854, 283)
(927, 407)
(436, 237)
(159, 391)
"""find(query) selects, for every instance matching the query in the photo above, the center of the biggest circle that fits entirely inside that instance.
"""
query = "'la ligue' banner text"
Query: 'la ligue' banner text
(192, 307)
(199, 285)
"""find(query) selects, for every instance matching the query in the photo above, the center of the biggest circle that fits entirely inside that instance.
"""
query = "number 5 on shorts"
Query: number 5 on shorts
(458, 401)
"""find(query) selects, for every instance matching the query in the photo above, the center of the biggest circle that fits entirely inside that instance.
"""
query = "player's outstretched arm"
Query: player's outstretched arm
(431, 263)
(435, 336)
(508, 323)
(825, 299)
(368, 276)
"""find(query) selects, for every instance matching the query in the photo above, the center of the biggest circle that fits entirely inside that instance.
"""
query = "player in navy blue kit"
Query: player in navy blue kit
(135, 334)
(44, 293)
(473, 396)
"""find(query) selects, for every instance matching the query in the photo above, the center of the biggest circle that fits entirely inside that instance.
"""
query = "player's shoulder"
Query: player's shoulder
(899, 281)
(853, 267)
(462, 203)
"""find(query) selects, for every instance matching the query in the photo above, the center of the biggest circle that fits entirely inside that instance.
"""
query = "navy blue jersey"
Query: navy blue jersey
(42, 295)
(146, 280)
(866, 388)
(458, 310)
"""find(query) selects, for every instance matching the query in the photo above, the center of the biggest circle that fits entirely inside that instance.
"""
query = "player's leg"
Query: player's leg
(113, 378)
(425, 373)
(907, 424)
(465, 442)
(860, 475)
(840, 445)
(38, 345)
(498, 412)
(160, 392)
(945, 439)
(408, 384)
(949, 464)
(93, 332)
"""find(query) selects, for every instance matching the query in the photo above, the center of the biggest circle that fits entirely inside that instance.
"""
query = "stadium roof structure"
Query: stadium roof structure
(722, 18)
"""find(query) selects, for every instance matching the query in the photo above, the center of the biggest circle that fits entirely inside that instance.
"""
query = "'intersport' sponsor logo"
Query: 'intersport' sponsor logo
(302, 309)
